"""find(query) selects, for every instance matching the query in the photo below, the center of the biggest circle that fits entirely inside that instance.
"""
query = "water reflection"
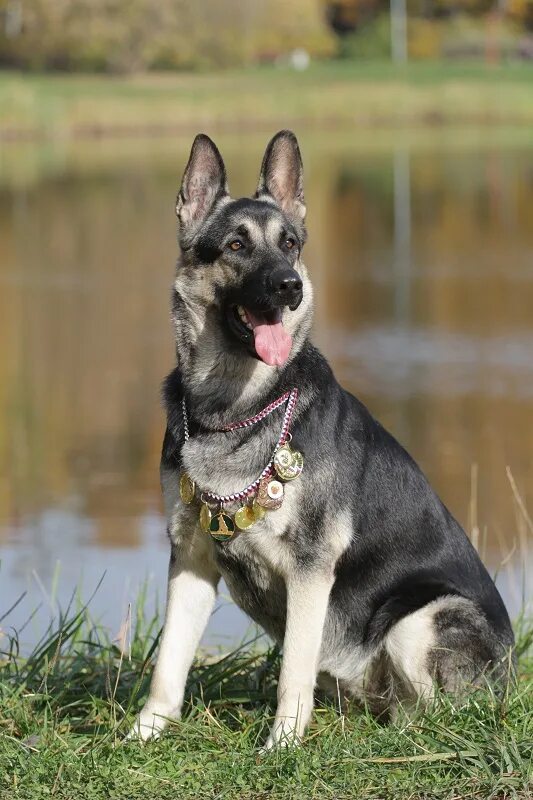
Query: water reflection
(422, 257)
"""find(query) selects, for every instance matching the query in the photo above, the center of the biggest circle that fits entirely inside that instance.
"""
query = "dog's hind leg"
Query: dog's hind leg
(307, 603)
(449, 644)
(191, 594)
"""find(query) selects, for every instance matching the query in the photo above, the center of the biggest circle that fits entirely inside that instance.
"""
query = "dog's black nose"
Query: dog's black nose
(287, 285)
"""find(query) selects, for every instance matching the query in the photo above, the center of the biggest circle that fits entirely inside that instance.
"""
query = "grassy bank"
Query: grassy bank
(332, 95)
(63, 711)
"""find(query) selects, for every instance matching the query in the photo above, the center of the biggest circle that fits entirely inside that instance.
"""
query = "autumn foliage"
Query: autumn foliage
(130, 35)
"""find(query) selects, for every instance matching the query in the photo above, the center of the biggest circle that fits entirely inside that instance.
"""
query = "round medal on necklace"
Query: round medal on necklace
(258, 510)
(270, 494)
(187, 488)
(205, 517)
(288, 463)
(221, 527)
(244, 517)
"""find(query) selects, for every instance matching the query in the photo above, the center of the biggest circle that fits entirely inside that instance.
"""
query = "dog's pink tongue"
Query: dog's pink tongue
(272, 342)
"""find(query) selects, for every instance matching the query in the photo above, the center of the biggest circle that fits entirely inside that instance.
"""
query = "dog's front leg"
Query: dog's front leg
(307, 604)
(192, 584)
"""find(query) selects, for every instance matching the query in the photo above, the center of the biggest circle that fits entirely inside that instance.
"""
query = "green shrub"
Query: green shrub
(371, 41)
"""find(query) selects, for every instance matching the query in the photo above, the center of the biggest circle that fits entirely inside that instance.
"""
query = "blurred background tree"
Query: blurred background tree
(130, 35)
(133, 35)
(436, 28)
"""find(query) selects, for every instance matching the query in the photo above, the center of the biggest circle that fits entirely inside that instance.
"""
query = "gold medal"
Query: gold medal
(187, 488)
(258, 511)
(205, 517)
(244, 517)
(288, 463)
(221, 527)
(270, 494)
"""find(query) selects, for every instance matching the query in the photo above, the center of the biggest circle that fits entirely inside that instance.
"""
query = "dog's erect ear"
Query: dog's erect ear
(282, 174)
(203, 184)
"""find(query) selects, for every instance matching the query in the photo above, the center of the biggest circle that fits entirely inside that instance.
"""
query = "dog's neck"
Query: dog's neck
(230, 392)
(220, 386)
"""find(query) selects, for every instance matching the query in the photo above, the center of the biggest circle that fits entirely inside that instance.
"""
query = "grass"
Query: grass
(64, 708)
(330, 94)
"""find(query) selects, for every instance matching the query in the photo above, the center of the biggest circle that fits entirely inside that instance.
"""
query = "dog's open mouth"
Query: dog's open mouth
(263, 331)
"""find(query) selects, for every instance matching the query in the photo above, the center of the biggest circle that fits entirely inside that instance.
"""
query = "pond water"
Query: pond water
(421, 252)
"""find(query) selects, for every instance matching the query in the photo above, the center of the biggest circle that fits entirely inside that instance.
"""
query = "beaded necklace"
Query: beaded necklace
(264, 494)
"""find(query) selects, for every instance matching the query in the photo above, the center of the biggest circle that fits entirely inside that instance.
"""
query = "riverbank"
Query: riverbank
(328, 95)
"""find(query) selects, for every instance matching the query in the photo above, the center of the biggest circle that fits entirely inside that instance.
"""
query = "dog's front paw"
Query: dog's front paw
(150, 723)
(292, 717)
(282, 734)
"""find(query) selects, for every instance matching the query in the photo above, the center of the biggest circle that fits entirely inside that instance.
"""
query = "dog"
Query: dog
(328, 535)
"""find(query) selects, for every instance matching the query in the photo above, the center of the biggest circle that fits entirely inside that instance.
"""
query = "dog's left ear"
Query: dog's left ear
(282, 175)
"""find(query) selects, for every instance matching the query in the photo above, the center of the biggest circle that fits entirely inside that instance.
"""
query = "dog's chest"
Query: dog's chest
(254, 562)
(253, 582)
(266, 544)
(220, 465)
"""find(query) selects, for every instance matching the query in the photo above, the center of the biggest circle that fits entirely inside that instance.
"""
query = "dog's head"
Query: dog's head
(242, 293)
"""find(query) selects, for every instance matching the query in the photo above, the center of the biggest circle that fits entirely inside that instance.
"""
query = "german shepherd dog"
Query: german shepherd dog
(362, 575)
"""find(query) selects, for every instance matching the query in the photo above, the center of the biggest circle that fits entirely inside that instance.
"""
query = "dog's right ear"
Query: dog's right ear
(282, 176)
(204, 183)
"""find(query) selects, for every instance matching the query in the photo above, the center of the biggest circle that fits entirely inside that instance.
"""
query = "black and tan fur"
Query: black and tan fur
(363, 576)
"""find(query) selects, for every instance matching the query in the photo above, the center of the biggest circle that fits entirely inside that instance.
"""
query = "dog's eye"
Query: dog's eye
(289, 243)
(236, 244)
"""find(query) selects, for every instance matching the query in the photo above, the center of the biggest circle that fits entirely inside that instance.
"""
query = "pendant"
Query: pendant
(205, 517)
(258, 511)
(270, 494)
(221, 527)
(187, 488)
(288, 463)
(244, 517)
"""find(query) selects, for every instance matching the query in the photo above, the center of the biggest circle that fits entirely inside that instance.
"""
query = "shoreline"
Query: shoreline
(431, 121)
(338, 96)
